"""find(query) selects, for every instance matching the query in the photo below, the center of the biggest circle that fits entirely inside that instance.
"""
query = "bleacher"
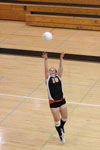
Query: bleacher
(74, 14)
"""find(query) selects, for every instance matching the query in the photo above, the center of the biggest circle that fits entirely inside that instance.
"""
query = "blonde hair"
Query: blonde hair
(54, 69)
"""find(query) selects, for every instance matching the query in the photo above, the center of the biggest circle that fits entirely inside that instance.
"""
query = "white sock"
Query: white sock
(57, 124)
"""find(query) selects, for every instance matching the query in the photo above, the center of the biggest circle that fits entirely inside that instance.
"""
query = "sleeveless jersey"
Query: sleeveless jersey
(54, 86)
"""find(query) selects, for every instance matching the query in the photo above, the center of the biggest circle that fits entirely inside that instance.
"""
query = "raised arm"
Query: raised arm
(45, 56)
(60, 69)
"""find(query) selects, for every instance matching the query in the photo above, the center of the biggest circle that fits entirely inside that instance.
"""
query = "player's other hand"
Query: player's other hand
(44, 55)
(62, 55)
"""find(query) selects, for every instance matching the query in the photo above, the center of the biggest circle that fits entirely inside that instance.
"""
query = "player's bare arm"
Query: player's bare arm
(45, 56)
(60, 69)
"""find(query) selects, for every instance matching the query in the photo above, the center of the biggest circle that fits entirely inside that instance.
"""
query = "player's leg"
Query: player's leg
(57, 119)
(56, 114)
(64, 115)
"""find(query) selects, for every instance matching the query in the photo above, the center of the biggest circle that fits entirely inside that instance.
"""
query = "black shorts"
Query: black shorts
(57, 104)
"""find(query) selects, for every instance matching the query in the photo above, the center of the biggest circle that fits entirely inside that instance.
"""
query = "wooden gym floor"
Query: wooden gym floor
(26, 122)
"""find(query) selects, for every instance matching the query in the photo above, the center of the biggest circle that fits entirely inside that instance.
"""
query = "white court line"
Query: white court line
(36, 98)
(20, 103)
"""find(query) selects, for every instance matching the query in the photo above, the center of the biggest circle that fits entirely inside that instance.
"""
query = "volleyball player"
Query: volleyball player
(55, 94)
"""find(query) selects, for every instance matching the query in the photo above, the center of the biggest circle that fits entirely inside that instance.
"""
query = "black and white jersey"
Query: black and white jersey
(54, 86)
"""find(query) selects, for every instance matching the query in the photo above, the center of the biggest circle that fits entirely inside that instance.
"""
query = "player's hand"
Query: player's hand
(44, 55)
(62, 55)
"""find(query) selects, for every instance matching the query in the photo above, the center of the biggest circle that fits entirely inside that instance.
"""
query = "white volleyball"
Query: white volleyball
(47, 36)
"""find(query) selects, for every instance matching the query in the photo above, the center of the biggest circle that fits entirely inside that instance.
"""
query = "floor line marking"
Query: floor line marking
(20, 103)
(14, 32)
(44, 99)
(80, 84)
(65, 40)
